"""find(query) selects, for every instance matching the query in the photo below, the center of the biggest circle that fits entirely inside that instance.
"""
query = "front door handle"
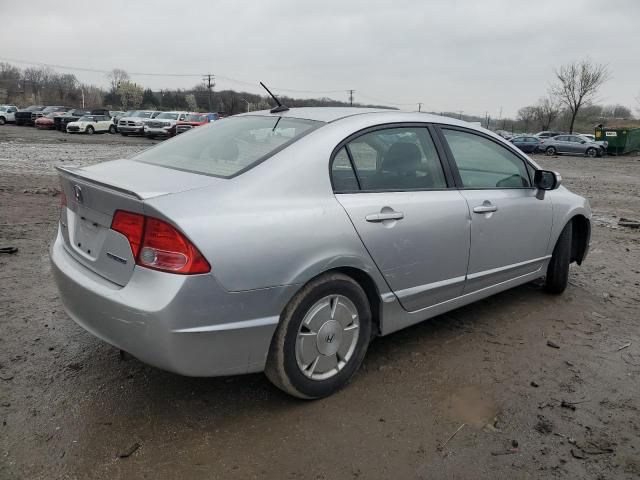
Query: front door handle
(486, 207)
(382, 216)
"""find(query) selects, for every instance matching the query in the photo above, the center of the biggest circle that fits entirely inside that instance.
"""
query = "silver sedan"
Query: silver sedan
(571, 144)
(284, 242)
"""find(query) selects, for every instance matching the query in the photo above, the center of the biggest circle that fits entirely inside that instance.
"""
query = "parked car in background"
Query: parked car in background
(47, 122)
(60, 122)
(8, 114)
(23, 116)
(161, 125)
(592, 138)
(548, 134)
(133, 123)
(91, 124)
(212, 116)
(571, 144)
(47, 110)
(526, 143)
(285, 242)
(193, 120)
(504, 134)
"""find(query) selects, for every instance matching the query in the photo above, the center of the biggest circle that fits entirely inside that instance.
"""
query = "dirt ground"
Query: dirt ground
(70, 407)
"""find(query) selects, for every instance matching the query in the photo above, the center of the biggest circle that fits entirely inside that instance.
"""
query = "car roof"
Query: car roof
(332, 114)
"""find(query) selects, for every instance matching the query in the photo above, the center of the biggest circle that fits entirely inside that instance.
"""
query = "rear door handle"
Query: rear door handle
(381, 217)
(486, 208)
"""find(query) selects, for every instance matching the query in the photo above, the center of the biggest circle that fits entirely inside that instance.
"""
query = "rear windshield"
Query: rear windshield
(228, 147)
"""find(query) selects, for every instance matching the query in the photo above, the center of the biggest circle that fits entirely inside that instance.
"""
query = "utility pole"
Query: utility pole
(419, 106)
(351, 97)
(210, 85)
(460, 114)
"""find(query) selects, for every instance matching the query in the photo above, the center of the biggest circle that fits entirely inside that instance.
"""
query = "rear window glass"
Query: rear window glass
(228, 147)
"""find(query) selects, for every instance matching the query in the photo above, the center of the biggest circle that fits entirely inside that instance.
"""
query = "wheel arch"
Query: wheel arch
(581, 228)
(366, 282)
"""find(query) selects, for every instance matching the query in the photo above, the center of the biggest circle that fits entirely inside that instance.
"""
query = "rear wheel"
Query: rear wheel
(592, 152)
(112, 129)
(558, 269)
(3, 120)
(550, 151)
(322, 338)
(90, 130)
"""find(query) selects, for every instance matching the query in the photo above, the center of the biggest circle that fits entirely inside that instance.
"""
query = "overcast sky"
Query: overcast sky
(469, 55)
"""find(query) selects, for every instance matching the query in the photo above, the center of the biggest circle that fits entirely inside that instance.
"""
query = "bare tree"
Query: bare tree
(546, 111)
(526, 115)
(577, 84)
(116, 77)
(65, 85)
(36, 79)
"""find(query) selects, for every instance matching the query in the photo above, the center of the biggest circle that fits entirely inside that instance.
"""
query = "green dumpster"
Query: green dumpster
(620, 140)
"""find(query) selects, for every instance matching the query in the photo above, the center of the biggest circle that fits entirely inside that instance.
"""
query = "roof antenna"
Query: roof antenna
(280, 107)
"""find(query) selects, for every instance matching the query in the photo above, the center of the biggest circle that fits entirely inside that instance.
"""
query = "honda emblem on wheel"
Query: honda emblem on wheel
(330, 337)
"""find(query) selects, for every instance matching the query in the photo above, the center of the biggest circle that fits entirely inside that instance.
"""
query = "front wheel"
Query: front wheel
(90, 130)
(2, 121)
(112, 129)
(550, 151)
(592, 152)
(322, 338)
(558, 269)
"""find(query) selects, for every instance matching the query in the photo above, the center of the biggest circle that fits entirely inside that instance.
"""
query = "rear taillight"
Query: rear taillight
(156, 244)
(131, 225)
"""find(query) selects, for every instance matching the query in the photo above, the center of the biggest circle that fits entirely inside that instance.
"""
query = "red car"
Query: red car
(46, 122)
(193, 120)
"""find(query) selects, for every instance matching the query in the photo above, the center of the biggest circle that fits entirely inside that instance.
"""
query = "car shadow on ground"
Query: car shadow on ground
(159, 390)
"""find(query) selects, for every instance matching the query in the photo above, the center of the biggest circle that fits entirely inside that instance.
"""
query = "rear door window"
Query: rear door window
(397, 159)
(483, 163)
(342, 174)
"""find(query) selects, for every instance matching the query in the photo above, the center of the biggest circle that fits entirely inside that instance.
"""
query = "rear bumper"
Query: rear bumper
(184, 324)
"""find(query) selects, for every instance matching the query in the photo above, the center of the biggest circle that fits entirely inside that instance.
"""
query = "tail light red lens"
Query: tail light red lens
(158, 245)
(131, 225)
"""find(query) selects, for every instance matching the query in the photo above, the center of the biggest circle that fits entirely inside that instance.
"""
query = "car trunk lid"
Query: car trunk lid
(93, 194)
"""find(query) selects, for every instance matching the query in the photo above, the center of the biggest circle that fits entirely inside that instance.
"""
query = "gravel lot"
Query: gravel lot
(70, 407)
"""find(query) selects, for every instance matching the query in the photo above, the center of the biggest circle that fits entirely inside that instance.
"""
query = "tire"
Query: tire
(295, 357)
(3, 120)
(550, 151)
(558, 269)
(89, 130)
(591, 152)
(113, 130)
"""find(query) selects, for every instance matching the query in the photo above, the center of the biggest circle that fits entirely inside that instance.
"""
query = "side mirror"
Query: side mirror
(583, 141)
(547, 180)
